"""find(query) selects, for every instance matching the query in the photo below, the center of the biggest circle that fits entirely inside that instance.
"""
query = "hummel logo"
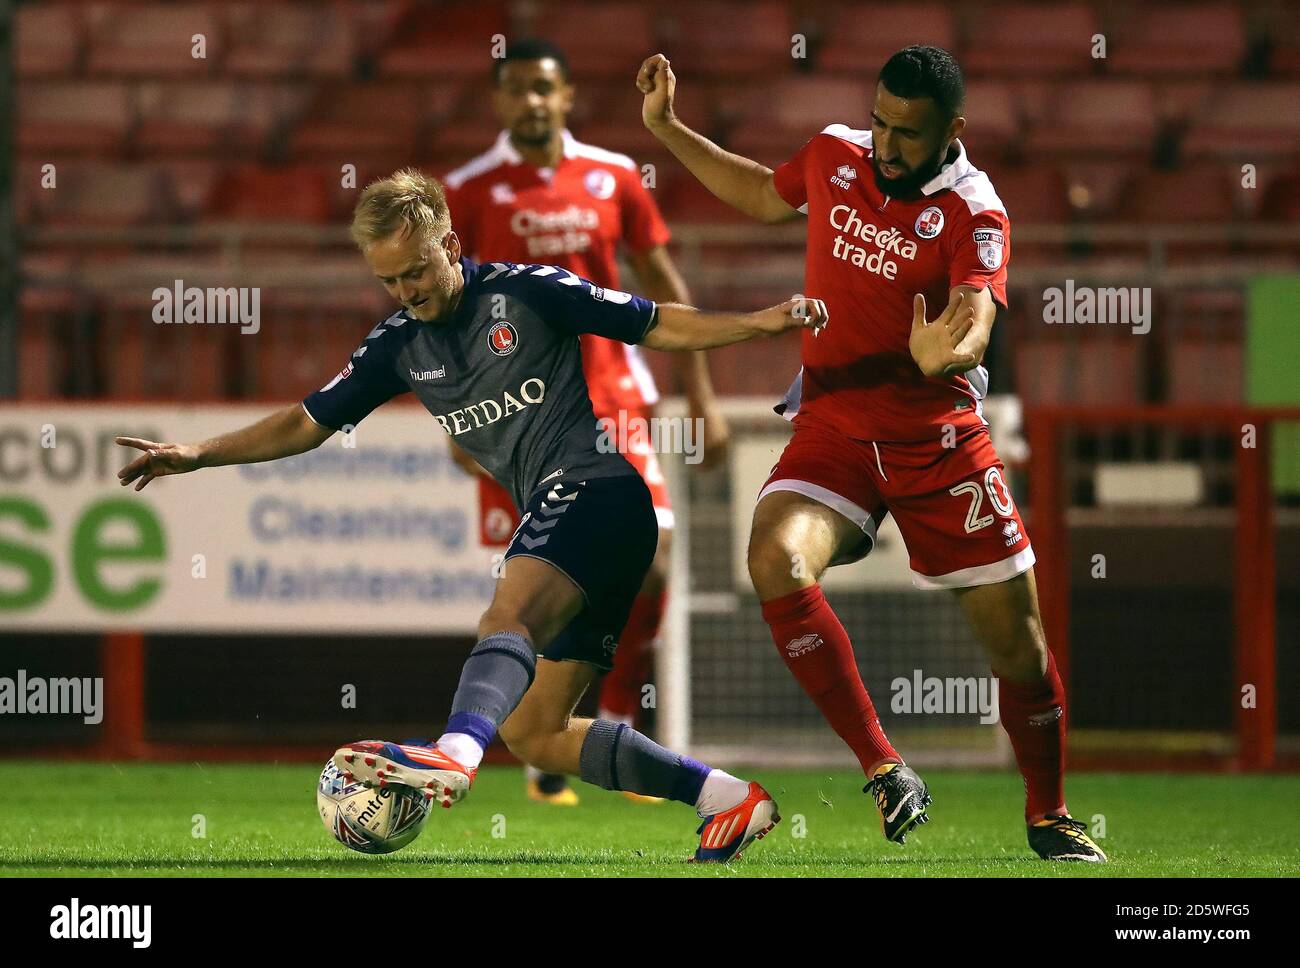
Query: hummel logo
(803, 645)
(843, 175)
(421, 375)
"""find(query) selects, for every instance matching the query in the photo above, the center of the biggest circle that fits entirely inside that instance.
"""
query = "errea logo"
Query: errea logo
(843, 175)
(803, 645)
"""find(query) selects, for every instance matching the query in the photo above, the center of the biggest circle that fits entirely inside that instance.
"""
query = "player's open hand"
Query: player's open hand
(934, 345)
(158, 460)
(657, 82)
(801, 312)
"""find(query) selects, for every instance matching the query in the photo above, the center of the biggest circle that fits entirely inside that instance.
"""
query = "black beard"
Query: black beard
(906, 186)
(533, 141)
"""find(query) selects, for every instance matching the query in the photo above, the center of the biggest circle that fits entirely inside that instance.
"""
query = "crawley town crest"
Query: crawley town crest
(930, 222)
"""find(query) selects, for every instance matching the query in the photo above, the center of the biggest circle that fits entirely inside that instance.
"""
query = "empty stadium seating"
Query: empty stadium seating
(145, 134)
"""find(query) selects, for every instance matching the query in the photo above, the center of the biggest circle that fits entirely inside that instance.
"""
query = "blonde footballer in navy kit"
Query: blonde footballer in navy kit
(492, 352)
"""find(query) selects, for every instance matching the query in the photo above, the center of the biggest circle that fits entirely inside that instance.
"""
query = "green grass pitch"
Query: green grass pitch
(139, 820)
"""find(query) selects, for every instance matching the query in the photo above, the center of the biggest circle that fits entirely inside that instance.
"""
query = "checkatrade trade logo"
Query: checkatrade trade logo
(879, 244)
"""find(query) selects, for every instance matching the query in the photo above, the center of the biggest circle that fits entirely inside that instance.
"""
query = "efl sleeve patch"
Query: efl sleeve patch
(989, 244)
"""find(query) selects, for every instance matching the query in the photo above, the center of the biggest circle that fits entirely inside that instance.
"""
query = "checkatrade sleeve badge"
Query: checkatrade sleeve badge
(988, 245)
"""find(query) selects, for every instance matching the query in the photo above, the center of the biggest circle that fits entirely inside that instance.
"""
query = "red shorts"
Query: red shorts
(951, 504)
(498, 518)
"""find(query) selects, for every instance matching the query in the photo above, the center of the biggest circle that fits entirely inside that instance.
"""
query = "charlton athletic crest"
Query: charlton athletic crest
(502, 339)
(930, 222)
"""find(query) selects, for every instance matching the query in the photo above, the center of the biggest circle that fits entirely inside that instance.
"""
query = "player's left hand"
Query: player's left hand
(934, 345)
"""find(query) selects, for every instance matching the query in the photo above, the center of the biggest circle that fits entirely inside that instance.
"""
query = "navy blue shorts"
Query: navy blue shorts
(602, 533)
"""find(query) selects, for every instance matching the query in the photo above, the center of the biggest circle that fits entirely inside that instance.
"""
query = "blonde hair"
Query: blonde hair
(406, 201)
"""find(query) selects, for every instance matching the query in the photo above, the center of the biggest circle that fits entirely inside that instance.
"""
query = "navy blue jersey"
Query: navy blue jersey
(502, 374)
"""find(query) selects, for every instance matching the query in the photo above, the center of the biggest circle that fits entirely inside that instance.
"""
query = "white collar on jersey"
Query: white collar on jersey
(949, 174)
(506, 149)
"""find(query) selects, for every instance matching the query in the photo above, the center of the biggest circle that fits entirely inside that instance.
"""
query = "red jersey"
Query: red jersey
(573, 216)
(868, 254)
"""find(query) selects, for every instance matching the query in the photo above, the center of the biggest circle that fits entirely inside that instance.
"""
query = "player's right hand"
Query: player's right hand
(935, 346)
(657, 82)
(158, 460)
(801, 312)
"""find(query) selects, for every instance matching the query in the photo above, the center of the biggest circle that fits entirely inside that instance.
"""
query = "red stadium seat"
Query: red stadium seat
(359, 121)
(1031, 38)
(83, 117)
(94, 194)
(860, 38)
(1282, 201)
(191, 182)
(45, 311)
(1284, 33)
(1032, 194)
(281, 39)
(290, 194)
(1250, 122)
(1196, 194)
(608, 39)
(205, 118)
(786, 111)
(684, 199)
(1095, 188)
(993, 118)
(1172, 39)
(452, 40)
(1087, 365)
(735, 38)
(152, 39)
(47, 40)
(306, 340)
(1103, 118)
(153, 361)
(1204, 371)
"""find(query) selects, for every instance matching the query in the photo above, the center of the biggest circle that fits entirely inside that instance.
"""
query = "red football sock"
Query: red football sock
(815, 647)
(620, 692)
(1033, 714)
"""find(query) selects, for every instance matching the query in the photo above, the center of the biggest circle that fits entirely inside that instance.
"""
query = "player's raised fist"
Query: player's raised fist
(657, 82)
(158, 460)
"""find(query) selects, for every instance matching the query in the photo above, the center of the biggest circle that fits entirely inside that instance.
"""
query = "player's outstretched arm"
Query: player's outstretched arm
(686, 328)
(282, 434)
(743, 184)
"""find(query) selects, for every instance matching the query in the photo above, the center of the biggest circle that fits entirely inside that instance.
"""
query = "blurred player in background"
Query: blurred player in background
(490, 351)
(540, 195)
(887, 417)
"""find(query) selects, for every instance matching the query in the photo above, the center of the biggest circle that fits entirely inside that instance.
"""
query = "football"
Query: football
(369, 820)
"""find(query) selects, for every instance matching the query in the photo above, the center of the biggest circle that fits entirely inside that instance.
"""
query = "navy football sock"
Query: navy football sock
(616, 757)
(494, 679)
